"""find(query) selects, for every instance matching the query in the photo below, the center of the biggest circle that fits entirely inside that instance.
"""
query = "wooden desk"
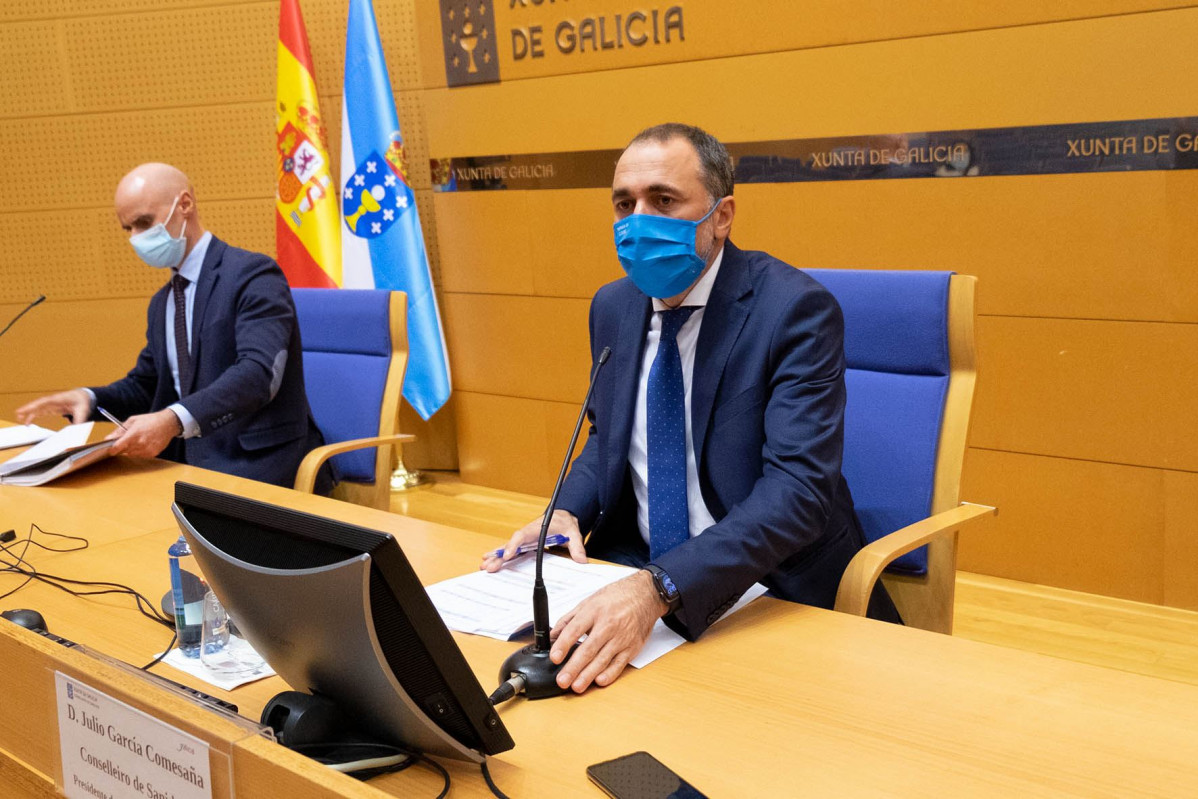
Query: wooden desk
(779, 700)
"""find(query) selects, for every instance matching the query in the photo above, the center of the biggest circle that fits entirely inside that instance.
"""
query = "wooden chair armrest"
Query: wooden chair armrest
(867, 565)
(305, 478)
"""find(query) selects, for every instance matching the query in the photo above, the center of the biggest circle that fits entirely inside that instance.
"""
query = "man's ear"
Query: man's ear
(723, 216)
(187, 203)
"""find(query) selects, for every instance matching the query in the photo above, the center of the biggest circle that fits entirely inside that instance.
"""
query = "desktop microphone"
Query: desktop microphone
(531, 665)
(28, 308)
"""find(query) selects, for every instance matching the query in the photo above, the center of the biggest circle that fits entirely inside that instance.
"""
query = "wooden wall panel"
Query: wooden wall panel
(1181, 540)
(55, 346)
(1112, 68)
(514, 443)
(1095, 527)
(547, 243)
(1106, 391)
(529, 347)
(1096, 246)
(714, 29)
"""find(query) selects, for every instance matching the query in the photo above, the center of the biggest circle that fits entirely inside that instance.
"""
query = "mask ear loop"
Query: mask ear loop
(183, 230)
(701, 221)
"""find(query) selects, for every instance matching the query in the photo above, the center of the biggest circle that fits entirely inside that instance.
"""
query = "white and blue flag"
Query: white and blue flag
(382, 244)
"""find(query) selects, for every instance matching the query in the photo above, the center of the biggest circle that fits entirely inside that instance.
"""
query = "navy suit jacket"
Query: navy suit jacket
(247, 392)
(767, 413)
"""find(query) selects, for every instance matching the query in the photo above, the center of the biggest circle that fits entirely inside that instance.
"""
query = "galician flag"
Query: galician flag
(307, 218)
(382, 244)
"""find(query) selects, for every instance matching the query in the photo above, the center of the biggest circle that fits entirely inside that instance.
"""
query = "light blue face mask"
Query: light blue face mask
(157, 247)
(658, 252)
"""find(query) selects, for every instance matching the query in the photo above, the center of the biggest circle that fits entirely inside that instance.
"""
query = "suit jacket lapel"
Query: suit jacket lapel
(725, 315)
(625, 366)
(209, 274)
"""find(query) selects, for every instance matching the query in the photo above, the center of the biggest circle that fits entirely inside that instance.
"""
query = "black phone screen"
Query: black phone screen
(640, 776)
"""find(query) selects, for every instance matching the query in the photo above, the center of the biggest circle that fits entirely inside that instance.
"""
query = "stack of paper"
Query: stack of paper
(71, 448)
(22, 435)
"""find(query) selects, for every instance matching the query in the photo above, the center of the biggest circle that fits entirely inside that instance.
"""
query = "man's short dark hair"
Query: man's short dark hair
(714, 161)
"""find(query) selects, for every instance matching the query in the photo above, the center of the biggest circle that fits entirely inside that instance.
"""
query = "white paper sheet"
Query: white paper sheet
(499, 605)
(73, 435)
(22, 435)
(196, 668)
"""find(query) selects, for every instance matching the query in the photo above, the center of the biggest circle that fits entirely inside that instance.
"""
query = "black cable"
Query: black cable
(19, 564)
(508, 689)
(490, 782)
(165, 652)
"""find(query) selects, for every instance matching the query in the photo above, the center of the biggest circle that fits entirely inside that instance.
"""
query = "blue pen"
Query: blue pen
(554, 540)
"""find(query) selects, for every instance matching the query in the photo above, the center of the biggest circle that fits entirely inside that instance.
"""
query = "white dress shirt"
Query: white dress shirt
(638, 455)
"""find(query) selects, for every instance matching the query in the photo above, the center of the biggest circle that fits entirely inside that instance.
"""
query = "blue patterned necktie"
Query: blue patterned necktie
(669, 517)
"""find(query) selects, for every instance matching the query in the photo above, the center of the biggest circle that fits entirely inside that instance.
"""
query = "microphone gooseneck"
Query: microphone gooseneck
(27, 309)
(532, 664)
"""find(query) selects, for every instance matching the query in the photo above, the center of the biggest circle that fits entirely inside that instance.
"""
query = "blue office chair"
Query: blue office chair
(910, 376)
(355, 353)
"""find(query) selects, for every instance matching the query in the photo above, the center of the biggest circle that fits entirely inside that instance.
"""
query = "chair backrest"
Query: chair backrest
(910, 375)
(355, 352)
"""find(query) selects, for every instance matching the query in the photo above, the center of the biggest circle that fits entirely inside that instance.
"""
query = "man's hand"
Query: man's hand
(563, 523)
(616, 620)
(146, 435)
(74, 403)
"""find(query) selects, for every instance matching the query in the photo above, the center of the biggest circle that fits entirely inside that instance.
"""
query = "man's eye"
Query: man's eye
(665, 201)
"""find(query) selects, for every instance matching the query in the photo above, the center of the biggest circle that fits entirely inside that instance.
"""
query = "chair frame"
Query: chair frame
(378, 493)
(926, 601)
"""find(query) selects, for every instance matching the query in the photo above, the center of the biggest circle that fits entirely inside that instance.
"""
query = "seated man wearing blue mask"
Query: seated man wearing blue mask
(713, 460)
(220, 382)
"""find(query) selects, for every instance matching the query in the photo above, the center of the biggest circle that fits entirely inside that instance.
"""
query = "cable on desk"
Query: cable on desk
(509, 688)
(165, 652)
(21, 565)
(490, 782)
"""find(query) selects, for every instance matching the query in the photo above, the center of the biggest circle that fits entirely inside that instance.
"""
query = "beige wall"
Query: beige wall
(1088, 298)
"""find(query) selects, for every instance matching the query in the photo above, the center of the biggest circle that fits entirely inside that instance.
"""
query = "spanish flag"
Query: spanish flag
(308, 219)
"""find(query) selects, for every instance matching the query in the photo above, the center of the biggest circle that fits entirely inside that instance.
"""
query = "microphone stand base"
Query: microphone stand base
(538, 671)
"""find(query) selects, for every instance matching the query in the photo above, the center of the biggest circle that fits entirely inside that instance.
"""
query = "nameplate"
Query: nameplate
(112, 750)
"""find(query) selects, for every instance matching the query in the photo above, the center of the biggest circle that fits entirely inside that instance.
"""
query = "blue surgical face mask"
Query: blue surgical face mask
(658, 252)
(157, 247)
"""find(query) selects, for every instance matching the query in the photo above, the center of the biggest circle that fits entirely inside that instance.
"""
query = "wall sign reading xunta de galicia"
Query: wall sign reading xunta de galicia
(474, 42)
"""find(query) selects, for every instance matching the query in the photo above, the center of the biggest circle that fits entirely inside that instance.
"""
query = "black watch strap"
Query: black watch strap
(665, 587)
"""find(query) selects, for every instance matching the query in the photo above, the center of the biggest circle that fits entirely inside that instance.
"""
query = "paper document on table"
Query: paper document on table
(70, 449)
(499, 605)
(22, 435)
(663, 639)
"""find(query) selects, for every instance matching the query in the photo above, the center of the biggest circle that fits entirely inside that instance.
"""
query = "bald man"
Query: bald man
(220, 381)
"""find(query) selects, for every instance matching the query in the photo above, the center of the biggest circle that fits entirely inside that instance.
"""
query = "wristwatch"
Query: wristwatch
(665, 587)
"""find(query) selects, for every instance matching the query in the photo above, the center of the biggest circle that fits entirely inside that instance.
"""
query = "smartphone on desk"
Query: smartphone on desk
(640, 776)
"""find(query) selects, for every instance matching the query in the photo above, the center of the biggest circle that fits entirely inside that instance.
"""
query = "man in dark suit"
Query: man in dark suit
(220, 382)
(713, 460)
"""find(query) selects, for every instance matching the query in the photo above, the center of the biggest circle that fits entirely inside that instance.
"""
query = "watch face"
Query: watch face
(668, 585)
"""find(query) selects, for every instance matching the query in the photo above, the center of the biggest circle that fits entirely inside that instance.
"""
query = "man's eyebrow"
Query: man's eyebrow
(652, 188)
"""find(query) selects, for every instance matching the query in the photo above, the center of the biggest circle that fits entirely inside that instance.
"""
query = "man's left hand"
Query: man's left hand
(146, 435)
(616, 620)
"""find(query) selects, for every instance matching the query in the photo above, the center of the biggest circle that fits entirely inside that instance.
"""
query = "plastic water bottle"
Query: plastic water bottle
(187, 593)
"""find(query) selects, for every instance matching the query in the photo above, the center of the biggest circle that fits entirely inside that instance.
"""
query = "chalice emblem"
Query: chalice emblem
(468, 41)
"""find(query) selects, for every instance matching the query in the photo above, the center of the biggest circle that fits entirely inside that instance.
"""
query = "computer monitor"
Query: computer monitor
(337, 610)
